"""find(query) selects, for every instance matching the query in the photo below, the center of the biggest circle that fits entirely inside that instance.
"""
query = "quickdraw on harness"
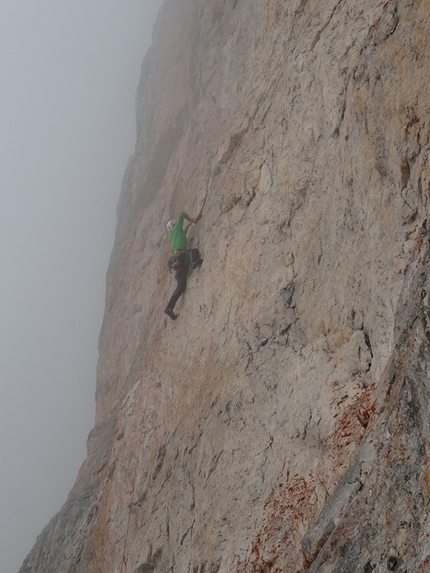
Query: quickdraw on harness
(176, 262)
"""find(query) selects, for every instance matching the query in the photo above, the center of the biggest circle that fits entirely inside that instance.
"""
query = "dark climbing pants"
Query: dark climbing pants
(187, 258)
(181, 280)
(193, 255)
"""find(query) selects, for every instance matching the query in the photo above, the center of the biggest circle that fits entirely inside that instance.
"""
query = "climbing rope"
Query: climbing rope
(133, 489)
(154, 354)
(123, 564)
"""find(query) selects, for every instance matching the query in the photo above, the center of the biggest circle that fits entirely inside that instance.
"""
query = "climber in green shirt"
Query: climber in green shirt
(182, 257)
(178, 235)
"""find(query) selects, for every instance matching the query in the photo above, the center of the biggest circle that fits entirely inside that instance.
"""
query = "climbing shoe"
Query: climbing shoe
(196, 264)
(170, 313)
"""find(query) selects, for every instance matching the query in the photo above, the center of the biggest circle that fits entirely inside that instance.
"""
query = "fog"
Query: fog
(69, 72)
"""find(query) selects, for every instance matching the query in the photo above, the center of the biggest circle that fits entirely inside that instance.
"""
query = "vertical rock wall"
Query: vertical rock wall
(281, 423)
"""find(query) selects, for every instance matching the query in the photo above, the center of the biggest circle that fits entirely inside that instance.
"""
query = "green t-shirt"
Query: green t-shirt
(177, 235)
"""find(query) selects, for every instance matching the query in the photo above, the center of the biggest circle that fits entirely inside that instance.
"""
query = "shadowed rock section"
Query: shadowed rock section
(281, 423)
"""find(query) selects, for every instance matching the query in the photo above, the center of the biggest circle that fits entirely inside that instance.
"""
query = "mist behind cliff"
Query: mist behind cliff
(69, 75)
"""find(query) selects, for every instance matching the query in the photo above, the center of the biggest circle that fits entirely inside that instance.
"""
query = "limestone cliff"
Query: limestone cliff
(281, 424)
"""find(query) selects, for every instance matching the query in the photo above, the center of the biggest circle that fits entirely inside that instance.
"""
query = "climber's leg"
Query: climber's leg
(195, 258)
(181, 279)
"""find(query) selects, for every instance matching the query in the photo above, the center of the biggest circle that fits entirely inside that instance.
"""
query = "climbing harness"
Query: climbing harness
(175, 262)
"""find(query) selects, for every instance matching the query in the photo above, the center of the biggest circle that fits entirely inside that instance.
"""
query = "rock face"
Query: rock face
(281, 424)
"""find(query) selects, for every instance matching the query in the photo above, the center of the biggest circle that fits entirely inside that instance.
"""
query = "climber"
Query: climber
(181, 259)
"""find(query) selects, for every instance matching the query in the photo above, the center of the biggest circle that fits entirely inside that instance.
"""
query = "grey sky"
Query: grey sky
(69, 72)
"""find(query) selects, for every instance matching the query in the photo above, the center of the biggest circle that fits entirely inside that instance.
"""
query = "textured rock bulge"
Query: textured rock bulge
(281, 423)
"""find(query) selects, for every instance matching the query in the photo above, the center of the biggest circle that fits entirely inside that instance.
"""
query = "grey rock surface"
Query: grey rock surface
(281, 423)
